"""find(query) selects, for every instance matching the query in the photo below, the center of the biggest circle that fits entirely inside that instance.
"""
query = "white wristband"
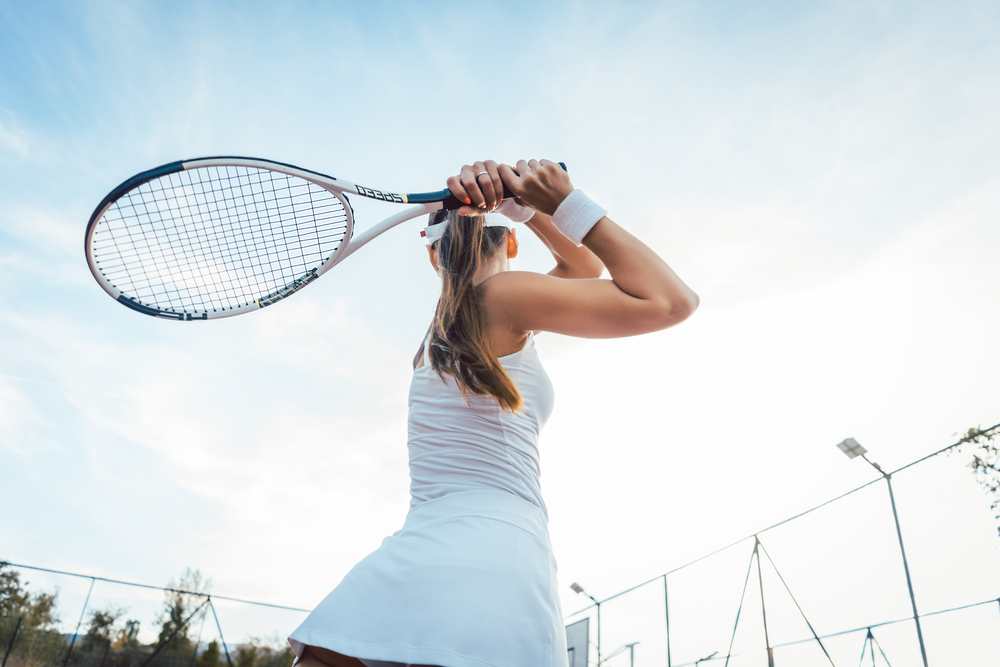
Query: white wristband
(513, 211)
(576, 216)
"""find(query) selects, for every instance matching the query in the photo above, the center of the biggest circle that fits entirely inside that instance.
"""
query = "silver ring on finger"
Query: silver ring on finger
(481, 173)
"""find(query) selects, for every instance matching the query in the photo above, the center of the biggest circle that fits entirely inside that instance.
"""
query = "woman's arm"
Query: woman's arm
(643, 295)
(572, 261)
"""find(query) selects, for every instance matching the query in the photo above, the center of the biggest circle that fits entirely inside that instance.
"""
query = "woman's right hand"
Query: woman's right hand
(478, 186)
(538, 184)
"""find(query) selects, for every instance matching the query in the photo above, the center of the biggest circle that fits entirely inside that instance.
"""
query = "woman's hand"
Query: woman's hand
(479, 187)
(541, 185)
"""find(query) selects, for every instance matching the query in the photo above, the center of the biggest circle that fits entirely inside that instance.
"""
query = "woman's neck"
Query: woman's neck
(498, 264)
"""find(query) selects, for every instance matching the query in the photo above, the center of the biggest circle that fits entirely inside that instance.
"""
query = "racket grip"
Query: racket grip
(451, 202)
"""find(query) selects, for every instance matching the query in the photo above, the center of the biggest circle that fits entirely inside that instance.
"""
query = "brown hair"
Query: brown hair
(458, 340)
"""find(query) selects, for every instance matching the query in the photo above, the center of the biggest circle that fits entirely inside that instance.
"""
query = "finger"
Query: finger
(471, 185)
(455, 185)
(485, 182)
(549, 163)
(492, 170)
(474, 184)
(523, 168)
(510, 178)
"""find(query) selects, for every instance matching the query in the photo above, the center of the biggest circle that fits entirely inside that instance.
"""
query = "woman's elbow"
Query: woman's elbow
(677, 310)
(693, 301)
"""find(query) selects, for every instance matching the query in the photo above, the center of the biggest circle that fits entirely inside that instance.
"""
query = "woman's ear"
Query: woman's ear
(511, 244)
(432, 254)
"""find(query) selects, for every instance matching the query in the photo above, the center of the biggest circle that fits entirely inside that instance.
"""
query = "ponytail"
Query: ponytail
(459, 340)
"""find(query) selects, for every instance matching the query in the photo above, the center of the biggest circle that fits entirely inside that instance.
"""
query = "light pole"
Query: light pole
(577, 588)
(621, 649)
(852, 449)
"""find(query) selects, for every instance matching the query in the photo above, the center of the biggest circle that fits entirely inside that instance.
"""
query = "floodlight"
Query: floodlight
(852, 448)
(577, 588)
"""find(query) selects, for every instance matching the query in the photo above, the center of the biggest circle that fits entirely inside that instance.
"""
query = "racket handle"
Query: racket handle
(451, 202)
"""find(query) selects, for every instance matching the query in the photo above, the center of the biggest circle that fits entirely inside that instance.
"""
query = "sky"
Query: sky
(825, 175)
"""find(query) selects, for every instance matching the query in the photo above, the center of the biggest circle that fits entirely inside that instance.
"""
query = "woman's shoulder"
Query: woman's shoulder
(508, 285)
(502, 296)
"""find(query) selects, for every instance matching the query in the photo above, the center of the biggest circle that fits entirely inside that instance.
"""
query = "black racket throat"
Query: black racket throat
(451, 202)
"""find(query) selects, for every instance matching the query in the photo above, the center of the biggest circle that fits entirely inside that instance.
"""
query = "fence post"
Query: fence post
(10, 646)
(107, 649)
(906, 567)
(161, 644)
(666, 613)
(739, 610)
(219, 627)
(72, 641)
(763, 609)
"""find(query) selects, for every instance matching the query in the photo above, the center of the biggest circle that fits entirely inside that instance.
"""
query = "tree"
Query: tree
(37, 611)
(247, 655)
(985, 463)
(102, 630)
(210, 656)
(258, 652)
(128, 635)
(182, 609)
(27, 622)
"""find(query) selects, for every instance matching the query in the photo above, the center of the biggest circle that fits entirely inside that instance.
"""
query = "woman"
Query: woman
(470, 580)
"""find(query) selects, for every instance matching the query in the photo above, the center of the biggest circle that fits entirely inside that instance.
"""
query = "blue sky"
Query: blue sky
(826, 176)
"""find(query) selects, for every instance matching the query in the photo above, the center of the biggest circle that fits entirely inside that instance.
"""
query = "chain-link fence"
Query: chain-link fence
(828, 586)
(805, 591)
(126, 624)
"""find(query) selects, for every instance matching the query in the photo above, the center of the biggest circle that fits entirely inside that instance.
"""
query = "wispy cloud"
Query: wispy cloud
(825, 177)
(12, 139)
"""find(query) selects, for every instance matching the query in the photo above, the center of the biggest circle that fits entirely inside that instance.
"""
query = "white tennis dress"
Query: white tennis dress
(470, 579)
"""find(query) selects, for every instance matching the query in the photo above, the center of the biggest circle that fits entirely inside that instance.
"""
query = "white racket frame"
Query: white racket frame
(334, 186)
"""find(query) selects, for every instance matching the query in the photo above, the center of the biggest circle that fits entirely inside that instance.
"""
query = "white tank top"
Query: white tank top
(456, 445)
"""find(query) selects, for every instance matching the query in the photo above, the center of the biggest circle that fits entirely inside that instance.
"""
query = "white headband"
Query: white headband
(435, 232)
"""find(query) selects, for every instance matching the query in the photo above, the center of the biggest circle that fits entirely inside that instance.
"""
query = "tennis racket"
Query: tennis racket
(215, 237)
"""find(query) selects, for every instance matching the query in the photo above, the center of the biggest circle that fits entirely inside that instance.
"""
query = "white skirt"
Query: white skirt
(469, 581)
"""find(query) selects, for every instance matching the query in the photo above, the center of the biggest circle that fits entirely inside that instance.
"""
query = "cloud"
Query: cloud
(823, 177)
(13, 139)
(20, 420)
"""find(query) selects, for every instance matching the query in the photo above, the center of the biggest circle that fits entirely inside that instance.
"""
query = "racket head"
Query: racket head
(216, 237)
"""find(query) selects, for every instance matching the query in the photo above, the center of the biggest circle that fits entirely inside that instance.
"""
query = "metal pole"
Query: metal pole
(763, 610)
(107, 649)
(666, 612)
(10, 646)
(211, 606)
(82, 612)
(864, 647)
(902, 551)
(598, 633)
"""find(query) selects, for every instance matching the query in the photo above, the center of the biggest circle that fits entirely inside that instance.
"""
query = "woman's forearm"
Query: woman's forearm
(638, 271)
(572, 261)
(655, 297)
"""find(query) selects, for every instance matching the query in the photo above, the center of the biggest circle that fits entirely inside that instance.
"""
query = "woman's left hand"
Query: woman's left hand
(478, 186)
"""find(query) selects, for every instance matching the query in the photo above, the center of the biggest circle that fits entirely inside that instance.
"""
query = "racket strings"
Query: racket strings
(216, 238)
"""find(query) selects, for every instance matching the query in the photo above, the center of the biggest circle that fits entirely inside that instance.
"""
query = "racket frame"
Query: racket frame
(427, 202)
